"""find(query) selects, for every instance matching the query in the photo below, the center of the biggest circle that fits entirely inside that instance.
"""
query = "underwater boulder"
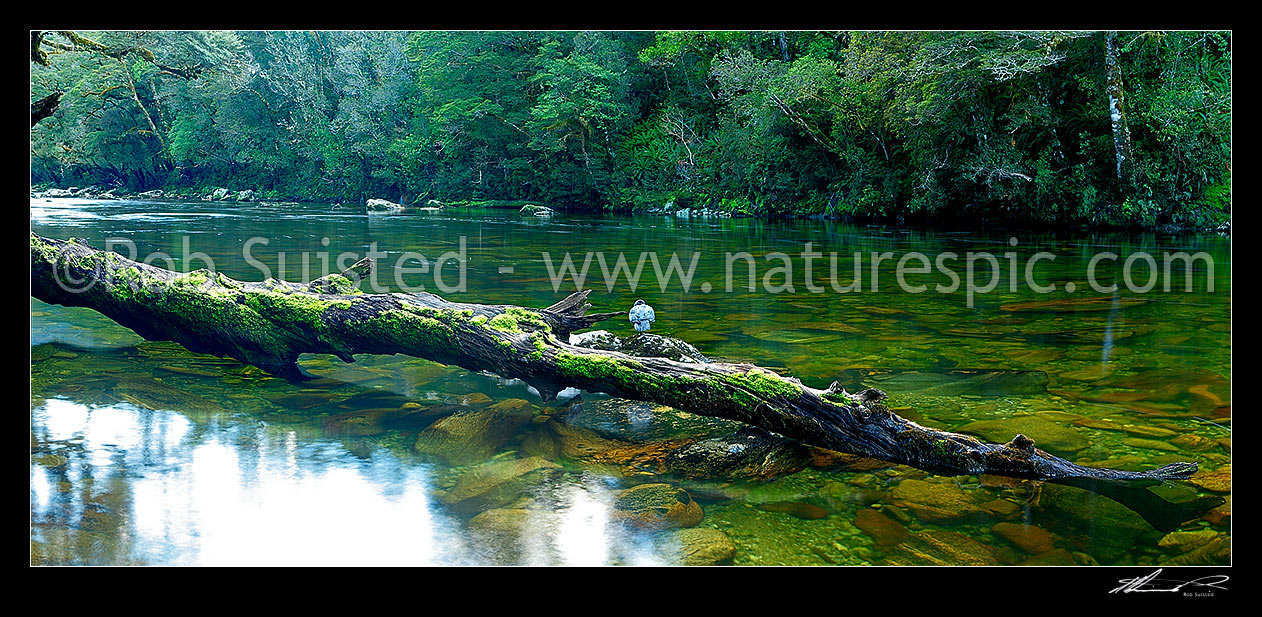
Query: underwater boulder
(748, 453)
(656, 506)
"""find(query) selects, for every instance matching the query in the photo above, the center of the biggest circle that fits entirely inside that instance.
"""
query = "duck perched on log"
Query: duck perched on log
(642, 316)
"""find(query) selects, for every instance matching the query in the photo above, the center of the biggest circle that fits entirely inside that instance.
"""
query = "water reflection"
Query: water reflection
(150, 487)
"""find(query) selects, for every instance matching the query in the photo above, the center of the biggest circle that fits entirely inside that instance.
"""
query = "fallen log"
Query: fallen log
(269, 323)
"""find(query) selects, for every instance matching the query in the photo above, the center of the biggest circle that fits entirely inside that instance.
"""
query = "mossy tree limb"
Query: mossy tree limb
(268, 324)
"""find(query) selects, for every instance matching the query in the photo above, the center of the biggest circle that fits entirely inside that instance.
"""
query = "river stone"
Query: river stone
(982, 382)
(1150, 444)
(749, 453)
(362, 423)
(842, 496)
(50, 460)
(497, 484)
(936, 547)
(1051, 436)
(469, 437)
(1184, 541)
(882, 529)
(1217, 480)
(554, 440)
(383, 205)
(505, 522)
(656, 506)
(700, 546)
(1191, 441)
(1073, 305)
(478, 398)
(1107, 528)
(535, 210)
(936, 502)
(1029, 538)
(799, 509)
(634, 421)
(1216, 552)
(498, 533)
(1055, 557)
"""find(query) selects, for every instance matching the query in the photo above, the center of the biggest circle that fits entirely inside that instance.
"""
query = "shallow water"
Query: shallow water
(145, 453)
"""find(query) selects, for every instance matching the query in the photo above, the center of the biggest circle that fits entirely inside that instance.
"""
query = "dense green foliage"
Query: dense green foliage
(906, 126)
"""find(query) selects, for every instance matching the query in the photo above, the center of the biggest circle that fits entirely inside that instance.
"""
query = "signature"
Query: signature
(1152, 583)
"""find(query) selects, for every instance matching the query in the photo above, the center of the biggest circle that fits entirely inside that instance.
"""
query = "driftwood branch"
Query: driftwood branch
(268, 324)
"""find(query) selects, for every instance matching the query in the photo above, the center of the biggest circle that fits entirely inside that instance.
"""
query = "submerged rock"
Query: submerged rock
(982, 382)
(941, 548)
(1055, 557)
(1073, 305)
(748, 453)
(1184, 541)
(1029, 538)
(1217, 480)
(634, 421)
(362, 423)
(498, 483)
(1051, 436)
(882, 529)
(799, 509)
(1107, 528)
(937, 502)
(1216, 552)
(473, 436)
(657, 506)
(700, 546)
(501, 534)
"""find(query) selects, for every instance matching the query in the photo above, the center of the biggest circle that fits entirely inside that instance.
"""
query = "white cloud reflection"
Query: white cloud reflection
(236, 493)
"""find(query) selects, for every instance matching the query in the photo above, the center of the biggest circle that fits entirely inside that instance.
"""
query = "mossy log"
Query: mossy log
(268, 324)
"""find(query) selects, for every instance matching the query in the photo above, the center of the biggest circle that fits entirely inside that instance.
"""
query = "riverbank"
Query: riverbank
(702, 206)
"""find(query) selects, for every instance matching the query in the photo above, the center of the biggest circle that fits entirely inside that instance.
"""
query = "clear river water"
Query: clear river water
(145, 453)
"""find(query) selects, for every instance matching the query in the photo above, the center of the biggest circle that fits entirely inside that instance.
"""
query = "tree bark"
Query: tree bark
(268, 324)
(1117, 115)
(45, 107)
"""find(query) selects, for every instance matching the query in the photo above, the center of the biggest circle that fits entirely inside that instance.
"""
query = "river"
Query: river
(145, 453)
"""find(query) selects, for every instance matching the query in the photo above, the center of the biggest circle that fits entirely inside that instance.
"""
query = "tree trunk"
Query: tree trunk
(1117, 115)
(268, 324)
(44, 107)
